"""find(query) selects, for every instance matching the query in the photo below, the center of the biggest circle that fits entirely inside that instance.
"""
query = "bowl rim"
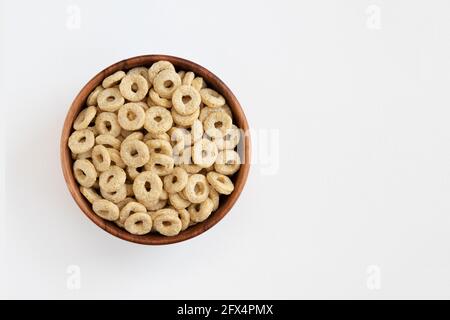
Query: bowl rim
(78, 104)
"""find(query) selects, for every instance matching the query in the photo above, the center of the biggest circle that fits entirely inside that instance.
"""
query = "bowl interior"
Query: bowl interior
(226, 202)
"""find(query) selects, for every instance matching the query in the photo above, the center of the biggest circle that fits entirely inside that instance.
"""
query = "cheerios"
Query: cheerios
(155, 100)
(108, 141)
(112, 179)
(147, 186)
(101, 158)
(159, 146)
(197, 130)
(143, 71)
(106, 209)
(106, 123)
(133, 87)
(110, 100)
(131, 116)
(85, 173)
(157, 67)
(84, 118)
(81, 141)
(115, 196)
(188, 78)
(160, 164)
(201, 211)
(212, 98)
(197, 188)
(204, 153)
(176, 181)
(221, 183)
(157, 120)
(92, 98)
(167, 224)
(113, 79)
(166, 82)
(177, 201)
(198, 83)
(134, 153)
(184, 121)
(217, 120)
(186, 100)
(89, 194)
(116, 160)
(228, 162)
(138, 223)
(129, 209)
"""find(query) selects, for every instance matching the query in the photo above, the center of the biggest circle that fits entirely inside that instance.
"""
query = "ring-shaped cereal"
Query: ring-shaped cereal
(214, 196)
(124, 202)
(168, 224)
(134, 136)
(85, 173)
(204, 153)
(131, 116)
(231, 138)
(108, 141)
(176, 181)
(157, 67)
(157, 120)
(157, 136)
(134, 153)
(106, 123)
(147, 186)
(84, 118)
(81, 141)
(197, 130)
(113, 79)
(191, 168)
(116, 159)
(112, 179)
(154, 204)
(101, 158)
(159, 146)
(133, 87)
(184, 217)
(188, 78)
(228, 162)
(139, 223)
(133, 172)
(197, 188)
(180, 137)
(206, 111)
(92, 98)
(155, 100)
(89, 194)
(106, 209)
(198, 83)
(129, 209)
(212, 98)
(160, 164)
(177, 201)
(184, 121)
(143, 71)
(186, 100)
(166, 82)
(110, 100)
(182, 156)
(217, 120)
(221, 183)
(115, 196)
(199, 212)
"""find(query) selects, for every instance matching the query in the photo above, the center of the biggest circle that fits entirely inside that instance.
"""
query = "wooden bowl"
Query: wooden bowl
(226, 202)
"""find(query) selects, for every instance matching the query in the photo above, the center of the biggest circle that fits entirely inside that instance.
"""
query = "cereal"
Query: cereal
(166, 82)
(81, 141)
(113, 79)
(186, 100)
(85, 173)
(106, 123)
(212, 98)
(176, 181)
(197, 188)
(110, 100)
(131, 116)
(134, 153)
(133, 87)
(147, 186)
(200, 211)
(221, 183)
(106, 209)
(157, 120)
(84, 118)
(138, 223)
(153, 149)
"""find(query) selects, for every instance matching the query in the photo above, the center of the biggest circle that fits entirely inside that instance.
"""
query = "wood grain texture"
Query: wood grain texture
(226, 203)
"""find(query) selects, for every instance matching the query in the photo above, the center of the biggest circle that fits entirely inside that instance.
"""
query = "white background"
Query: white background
(352, 202)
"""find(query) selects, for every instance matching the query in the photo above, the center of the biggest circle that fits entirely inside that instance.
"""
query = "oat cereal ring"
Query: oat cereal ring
(81, 141)
(212, 98)
(157, 120)
(182, 156)
(92, 98)
(155, 100)
(155, 204)
(158, 136)
(92, 128)
(147, 186)
(176, 181)
(181, 73)
(112, 179)
(168, 224)
(131, 116)
(177, 201)
(142, 71)
(85, 173)
(138, 223)
(134, 172)
(199, 212)
(160, 164)
(134, 136)
(188, 78)
(134, 153)
(108, 141)
(157, 67)
(180, 137)
(216, 136)
(204, 153)
(186, 100)
(197, 188)
(184, 217)
(106, 209)
(84, 155)
(129, 209)
(133, 87)
(106, 123)
(124, 202)
(214, 196)
(159, 146)
(113, 79)
(110, 100)
(115, 196)
(89, 194)
(166, 82)
(221, 183)
(84, 118)
(116, 160)
(231, 138)
(191, 168)
(206, 111)
(184, 121)
(198, 83)
(217, 120)
(101, 158)
(197, 131)
(227, 162)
